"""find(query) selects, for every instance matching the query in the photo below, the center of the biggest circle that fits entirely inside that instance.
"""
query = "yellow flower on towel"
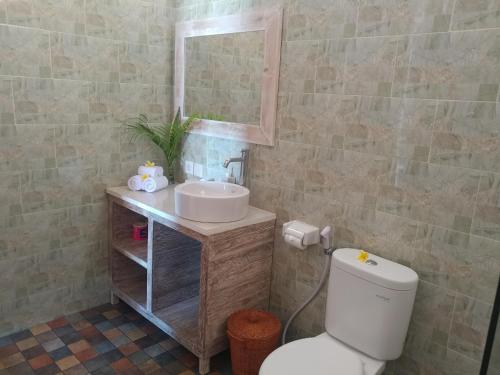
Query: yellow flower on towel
(149, 164)
(144, 177)
(363, 256)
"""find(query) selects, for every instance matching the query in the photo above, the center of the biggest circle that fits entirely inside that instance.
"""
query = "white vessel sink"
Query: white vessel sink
(211, 202)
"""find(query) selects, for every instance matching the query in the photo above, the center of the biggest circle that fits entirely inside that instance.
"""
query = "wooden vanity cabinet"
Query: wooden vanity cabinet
(185, 282)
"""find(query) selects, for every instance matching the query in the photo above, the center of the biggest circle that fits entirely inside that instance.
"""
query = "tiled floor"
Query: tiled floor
(109, 339)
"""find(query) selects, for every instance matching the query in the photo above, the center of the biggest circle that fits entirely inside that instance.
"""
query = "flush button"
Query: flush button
(371, 262)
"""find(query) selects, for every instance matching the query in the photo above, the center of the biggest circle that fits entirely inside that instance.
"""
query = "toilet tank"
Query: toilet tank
(369, 304)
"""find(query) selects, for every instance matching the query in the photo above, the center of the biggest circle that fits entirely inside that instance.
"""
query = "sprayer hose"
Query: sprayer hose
(324, 274)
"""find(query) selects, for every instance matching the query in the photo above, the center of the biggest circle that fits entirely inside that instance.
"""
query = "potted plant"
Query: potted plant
(168, 137)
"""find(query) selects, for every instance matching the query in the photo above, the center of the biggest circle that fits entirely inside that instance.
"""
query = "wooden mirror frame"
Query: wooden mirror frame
(270, 21)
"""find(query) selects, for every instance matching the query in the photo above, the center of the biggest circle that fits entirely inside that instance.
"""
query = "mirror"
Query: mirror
(223, 77)
(226, 73)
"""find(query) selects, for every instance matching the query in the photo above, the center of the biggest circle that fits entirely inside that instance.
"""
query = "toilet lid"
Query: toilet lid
(318, 356)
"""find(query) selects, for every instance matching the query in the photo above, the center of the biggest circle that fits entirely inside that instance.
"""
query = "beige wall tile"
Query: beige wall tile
(66, 16)
(85, 58)
(467, 135)
(476, 14)
(47, 101)
(386, 17)
(486, 220)
(469, 327)
(459, 65)
(430, 193)
(118, 19)
(25, 52)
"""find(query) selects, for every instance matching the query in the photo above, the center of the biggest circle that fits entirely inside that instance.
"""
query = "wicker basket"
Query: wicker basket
(253, 335)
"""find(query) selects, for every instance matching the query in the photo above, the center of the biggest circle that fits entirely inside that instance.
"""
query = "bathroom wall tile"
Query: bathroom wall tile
(330, 66)
(118, 19)
(3, 12)
(28, 234)
(66, 16)
(85, 58)
(395, 17)
(432, 316)
(386, 235)
(345, 176)
(87, 145)
(145, 64)
(58, 188)
(47, 101)
(467, 135)
(459, 65)
(297, 70)
(457, 261)
(48, 302)
(431, 358)
(477, 14)
(283, 164)
(486, 220)
(431, 193)
(26, 147)
(295, 205)
(393, 127)
(161, 20)
(25, 52)
(10, 197)
(370, 64)
(317, 119)
(6, 102)
(307, 20)
(115, 103)
(471, 319)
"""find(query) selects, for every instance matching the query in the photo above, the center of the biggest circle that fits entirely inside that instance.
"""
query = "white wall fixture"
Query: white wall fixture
(269, 21)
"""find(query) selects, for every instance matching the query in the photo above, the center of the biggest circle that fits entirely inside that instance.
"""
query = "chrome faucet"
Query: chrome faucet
(243, 160)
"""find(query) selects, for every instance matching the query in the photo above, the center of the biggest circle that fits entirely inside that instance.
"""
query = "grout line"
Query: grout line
(452, 16)
(433, 131)
(13, 101)
(476, 198)
(452, 316)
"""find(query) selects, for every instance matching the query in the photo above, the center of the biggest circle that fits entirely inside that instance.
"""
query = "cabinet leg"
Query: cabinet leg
(114, 299)
(204, 365)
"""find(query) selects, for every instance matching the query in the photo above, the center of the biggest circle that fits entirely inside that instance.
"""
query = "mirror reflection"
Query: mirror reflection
(223, 77)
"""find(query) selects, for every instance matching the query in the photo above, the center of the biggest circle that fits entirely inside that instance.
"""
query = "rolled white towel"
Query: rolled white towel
(135, 183)
(152, 184)
(151, 171)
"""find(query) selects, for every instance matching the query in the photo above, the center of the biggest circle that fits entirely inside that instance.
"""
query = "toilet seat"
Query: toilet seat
(321, 355)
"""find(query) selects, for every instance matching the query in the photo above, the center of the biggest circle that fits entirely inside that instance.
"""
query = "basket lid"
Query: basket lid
(252, 324)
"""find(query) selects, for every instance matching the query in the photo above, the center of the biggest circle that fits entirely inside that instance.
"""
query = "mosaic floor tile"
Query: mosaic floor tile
(40, 361)
(109, 339)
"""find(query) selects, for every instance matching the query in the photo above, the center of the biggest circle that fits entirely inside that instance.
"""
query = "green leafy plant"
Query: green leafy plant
(168, 136)
(212, 116)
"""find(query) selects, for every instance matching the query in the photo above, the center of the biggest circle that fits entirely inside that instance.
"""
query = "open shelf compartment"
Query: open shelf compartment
(122, 241)
(176, 280)
(129, 280)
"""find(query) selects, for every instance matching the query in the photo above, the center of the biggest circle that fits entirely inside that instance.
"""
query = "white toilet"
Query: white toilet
(369, 304)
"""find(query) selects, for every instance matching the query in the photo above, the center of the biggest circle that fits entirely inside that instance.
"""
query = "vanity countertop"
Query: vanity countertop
(162, 204)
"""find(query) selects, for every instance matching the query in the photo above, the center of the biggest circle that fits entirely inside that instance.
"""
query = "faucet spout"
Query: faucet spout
(232, 160)
(244, 165)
